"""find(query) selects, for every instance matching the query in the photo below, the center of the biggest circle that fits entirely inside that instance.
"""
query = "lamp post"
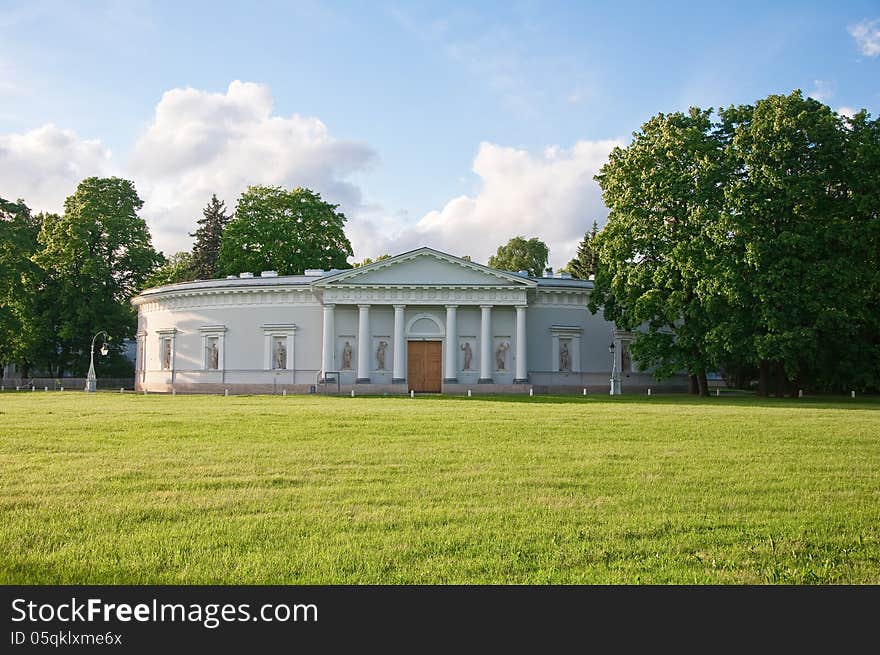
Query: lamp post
(615, 382)
(91, 379)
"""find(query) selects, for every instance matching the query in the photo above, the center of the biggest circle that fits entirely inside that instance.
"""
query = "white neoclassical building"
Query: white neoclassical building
(424, 321)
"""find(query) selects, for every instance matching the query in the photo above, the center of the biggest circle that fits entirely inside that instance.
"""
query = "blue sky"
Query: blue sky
(441, 121)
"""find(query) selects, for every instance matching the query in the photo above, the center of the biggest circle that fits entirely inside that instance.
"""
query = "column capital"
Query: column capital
(521, 307)
(364, 306)
(487, 306)
(329, 305)
(399, 307)
(451, 306)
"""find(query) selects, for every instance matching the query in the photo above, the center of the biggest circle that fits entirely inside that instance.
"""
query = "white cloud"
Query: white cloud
(201, 143)
(867, 36)
(822, 90)
(849, 112)
(551, 195)
(43, 166)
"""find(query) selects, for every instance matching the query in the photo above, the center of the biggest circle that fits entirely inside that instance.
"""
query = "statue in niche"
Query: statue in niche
(468, 355)
(564, 359)
(501, 355)
(166, 354)
(213, 356)
(280, 354)
(380, 355)
(346, 356)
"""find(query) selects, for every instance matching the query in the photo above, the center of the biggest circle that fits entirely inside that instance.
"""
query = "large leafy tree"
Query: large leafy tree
(284, 230)
(792, 241)
(654, 272)
(19, 277)
(586, 261)
(208, 236)
(95, 257)
(521, 254)
(177, 268)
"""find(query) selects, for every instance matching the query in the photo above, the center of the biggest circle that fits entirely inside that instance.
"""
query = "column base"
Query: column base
(450, 380)
(362, 381)
(398, 380)
(521, 381)
(485, 381)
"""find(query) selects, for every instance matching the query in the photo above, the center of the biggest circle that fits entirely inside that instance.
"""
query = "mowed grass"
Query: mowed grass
(112, 488)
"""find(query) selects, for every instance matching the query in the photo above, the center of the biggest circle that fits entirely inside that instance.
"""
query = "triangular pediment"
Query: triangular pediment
(425, 266)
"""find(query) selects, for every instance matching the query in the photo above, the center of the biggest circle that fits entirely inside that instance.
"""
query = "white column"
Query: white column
(399, 373)
(522, 370)
(451, 374)
(327, 353)
(363, 372)
(485, 344)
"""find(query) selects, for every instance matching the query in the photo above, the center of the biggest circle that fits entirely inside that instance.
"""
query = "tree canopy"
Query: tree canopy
(586, 261)
(285, 231)
(747, 242)
(520, 254)
(177, 268)
(208, 236)
(94, 258)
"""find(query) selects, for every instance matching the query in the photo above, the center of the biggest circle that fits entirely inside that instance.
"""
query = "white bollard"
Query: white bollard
(226, 392)
(61, 389)
(173, 391)
(352, 393)
(284, 392)
(585, 391)
(531, 392)
(852, 394)
(800, 393)
(33, 388)
(45, 388)
(469, 393)
(121, 390)
(16, 387)
(717, 392)
(412, 393)
(649, 391)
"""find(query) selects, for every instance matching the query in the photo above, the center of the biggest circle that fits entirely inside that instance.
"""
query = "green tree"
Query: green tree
(654, 273)
(94, 257)
(208, 236)
(368, 260)
(285, 231)
(793, 240)
(586, 261)
(520, 254)
(19, 277)
(177, 268)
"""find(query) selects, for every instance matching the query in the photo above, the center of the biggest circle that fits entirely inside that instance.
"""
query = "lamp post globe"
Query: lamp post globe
(91, 378)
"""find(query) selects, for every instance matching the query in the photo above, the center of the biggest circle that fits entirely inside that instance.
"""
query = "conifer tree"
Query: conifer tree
(206, 249)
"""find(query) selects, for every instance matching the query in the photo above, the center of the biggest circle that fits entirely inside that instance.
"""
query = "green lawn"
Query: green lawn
(192, 489)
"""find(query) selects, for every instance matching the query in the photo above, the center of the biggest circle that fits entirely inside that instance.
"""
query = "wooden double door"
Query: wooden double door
(424, 366)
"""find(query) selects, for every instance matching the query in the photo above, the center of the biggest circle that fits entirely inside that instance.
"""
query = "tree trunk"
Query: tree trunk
(781, 380)
(764, 378)
(693, 387)
(703, 384)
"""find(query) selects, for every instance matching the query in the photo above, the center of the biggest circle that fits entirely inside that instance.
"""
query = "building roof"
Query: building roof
(323, 278)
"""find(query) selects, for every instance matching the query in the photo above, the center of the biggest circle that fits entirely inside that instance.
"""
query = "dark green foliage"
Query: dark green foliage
(748, 245)
(284, 231)
(208, 236)
(586, 262)
(94, 259)
(177, 268)
(521, 255)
